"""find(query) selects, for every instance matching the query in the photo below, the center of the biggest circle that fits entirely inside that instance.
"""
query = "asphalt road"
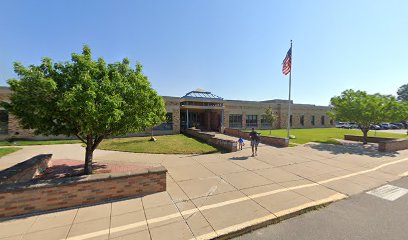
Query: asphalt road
(361, 217)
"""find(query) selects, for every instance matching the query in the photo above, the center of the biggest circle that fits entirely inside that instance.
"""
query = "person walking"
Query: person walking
(254, 141)
(241, 143)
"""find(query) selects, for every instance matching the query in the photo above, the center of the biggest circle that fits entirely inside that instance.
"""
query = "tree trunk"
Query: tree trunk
(88, 155)
(365, 131)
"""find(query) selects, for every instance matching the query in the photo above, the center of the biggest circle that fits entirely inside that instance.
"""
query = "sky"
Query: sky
(232, 48)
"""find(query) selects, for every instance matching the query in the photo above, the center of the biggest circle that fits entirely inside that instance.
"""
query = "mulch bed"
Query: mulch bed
(61, 168)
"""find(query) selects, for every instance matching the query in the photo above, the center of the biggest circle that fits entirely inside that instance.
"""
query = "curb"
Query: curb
(274, 220)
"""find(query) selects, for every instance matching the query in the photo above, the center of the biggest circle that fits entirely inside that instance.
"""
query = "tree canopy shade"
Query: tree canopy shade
(365, 109)
(403, 93)
(84, 98)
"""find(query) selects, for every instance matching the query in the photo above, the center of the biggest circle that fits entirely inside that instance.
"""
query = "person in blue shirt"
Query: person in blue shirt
(241, 143)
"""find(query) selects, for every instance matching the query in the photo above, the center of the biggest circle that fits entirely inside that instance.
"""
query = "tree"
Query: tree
(84, 98)
(271, 117)
(364, 109)
(403, 93)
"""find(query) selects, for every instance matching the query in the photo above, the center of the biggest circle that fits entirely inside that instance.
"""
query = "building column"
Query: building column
(222, 121)
(187, 119)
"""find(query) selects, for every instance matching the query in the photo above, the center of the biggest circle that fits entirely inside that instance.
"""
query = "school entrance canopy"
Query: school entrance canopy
(202, 109)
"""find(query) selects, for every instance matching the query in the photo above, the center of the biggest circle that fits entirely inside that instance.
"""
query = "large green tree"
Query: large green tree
(365, 109)
(403, 93)
(85, 98)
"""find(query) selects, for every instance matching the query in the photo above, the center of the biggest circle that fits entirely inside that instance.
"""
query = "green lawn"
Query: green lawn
(168, 144)
(324, 135)
(5, 151)
(36, 142)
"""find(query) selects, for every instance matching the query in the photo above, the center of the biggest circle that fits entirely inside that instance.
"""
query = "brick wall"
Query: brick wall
(24, 198)
(384, 144)
(369, 139)
(25, 171)
(393, 145)
(210, 138)
(268, 140)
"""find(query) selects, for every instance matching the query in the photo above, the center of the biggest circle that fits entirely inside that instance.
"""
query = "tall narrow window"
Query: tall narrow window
(252, 121)
(3, 122)
(235, 121)
(322, 120)
(312, 120)
(265, 123)
(291, 120)
(302, 120)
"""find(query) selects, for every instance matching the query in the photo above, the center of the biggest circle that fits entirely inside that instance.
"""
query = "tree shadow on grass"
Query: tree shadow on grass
(351, 149)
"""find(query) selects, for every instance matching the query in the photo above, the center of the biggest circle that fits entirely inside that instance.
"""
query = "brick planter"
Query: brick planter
(384, 144)
(25, 171)
(212, 139)
(31, 197)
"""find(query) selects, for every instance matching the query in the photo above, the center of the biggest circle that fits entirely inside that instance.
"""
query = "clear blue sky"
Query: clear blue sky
(231, 48)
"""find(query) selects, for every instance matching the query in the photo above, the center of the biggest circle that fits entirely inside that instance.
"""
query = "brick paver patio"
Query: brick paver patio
(211, 195)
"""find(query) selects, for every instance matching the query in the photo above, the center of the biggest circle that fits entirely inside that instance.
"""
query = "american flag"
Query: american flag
(287, 62)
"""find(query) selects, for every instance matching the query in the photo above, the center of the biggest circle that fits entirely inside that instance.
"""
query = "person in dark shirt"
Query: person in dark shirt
(254, 141)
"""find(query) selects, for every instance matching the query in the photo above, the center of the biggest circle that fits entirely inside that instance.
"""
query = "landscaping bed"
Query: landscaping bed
(60, 168)
(167, 144)
(40, 184)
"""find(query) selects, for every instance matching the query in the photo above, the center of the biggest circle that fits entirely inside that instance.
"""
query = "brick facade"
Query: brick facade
(243, 108)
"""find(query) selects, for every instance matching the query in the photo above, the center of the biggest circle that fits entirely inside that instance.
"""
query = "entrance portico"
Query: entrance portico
(203, 110)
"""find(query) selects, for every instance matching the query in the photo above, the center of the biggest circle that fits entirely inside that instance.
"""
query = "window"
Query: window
(3, 122)
(168, 123)
(291, 120)
(251, 121)
(322, 120)
(235, 121)
(302, 120)
(312, 121)
(265, 123)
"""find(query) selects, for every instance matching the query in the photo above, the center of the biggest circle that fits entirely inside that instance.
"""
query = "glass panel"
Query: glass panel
(251, 121)
(168, 123)
(235, 121)
(3, 122)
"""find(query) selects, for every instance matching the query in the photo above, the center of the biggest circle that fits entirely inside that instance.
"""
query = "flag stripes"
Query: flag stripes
(287, 62)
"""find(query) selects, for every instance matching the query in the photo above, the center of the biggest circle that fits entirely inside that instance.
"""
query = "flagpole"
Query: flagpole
(290, 85)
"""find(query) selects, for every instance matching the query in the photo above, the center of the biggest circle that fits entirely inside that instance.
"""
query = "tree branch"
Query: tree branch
(80, 138)
(98, 140)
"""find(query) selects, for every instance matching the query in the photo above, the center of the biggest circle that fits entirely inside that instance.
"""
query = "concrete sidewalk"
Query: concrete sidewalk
(214, 195)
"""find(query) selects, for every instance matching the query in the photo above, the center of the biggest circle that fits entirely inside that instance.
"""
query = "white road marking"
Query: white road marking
(404, 174)
(388, 192)
(232, 201)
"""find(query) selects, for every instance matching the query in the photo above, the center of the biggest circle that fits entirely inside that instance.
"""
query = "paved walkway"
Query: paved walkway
(212, 195)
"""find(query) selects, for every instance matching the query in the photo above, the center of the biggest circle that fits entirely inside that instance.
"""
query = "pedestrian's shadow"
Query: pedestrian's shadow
(239, 158)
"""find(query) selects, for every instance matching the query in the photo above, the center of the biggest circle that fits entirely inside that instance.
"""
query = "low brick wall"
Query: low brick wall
(31, 197)
(268, 140)
(384, 144)
(369, 139)
(210, 138)
(393, 145)
(25, 171)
